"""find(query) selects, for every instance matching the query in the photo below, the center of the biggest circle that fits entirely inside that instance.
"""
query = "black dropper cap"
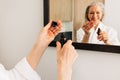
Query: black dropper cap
(98, 31)
(54, 24)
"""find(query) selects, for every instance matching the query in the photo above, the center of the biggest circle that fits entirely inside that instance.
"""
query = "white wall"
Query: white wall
(112, 14)
(20, 22)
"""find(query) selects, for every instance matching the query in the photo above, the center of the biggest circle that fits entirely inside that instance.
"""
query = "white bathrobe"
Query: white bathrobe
(22, 71)
(113, 38)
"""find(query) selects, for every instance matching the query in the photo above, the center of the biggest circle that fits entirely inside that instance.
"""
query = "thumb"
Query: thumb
(48, 25)
(58, 46)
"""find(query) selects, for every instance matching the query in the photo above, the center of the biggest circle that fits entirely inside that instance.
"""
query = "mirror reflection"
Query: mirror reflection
(83, 21)
(93, 30)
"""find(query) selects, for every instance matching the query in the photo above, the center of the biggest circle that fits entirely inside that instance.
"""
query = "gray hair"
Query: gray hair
(100, 4)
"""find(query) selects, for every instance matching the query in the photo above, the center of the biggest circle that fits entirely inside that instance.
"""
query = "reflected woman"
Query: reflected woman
(93, 30)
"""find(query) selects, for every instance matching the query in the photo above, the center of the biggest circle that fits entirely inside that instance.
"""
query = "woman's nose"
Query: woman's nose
(94, 14)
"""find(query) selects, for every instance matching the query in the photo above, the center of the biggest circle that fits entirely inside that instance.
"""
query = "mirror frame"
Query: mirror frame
(82, 46)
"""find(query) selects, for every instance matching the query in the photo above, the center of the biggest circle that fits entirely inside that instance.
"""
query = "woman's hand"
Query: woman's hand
(66, 56)
(87, 26)
(104, 37)
(48, 33)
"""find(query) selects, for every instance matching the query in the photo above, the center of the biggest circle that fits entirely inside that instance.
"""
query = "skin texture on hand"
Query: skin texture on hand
(87, 26)
(66, 56)
(104, 37)
(46, 35)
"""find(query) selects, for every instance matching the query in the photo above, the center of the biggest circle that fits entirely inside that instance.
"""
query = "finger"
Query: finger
(99, 37)
(102, 32)
(87, 22)
(56, 31)
(69, 42)
(48, 25)
(88, 28)
(105, 39)
(59, 22)
(52, 29)
(58, 46)
(84, 27)
(57, 28)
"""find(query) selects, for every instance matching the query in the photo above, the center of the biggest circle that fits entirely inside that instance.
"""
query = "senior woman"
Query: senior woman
(93, 30)
(25, 69)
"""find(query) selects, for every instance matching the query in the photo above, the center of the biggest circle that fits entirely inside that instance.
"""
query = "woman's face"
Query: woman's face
(95, 14)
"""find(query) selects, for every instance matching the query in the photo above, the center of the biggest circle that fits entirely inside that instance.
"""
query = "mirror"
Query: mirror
(73, 9)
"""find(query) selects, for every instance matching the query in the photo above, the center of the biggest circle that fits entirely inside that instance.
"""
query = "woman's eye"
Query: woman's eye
(98, 12)
(91, 13)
